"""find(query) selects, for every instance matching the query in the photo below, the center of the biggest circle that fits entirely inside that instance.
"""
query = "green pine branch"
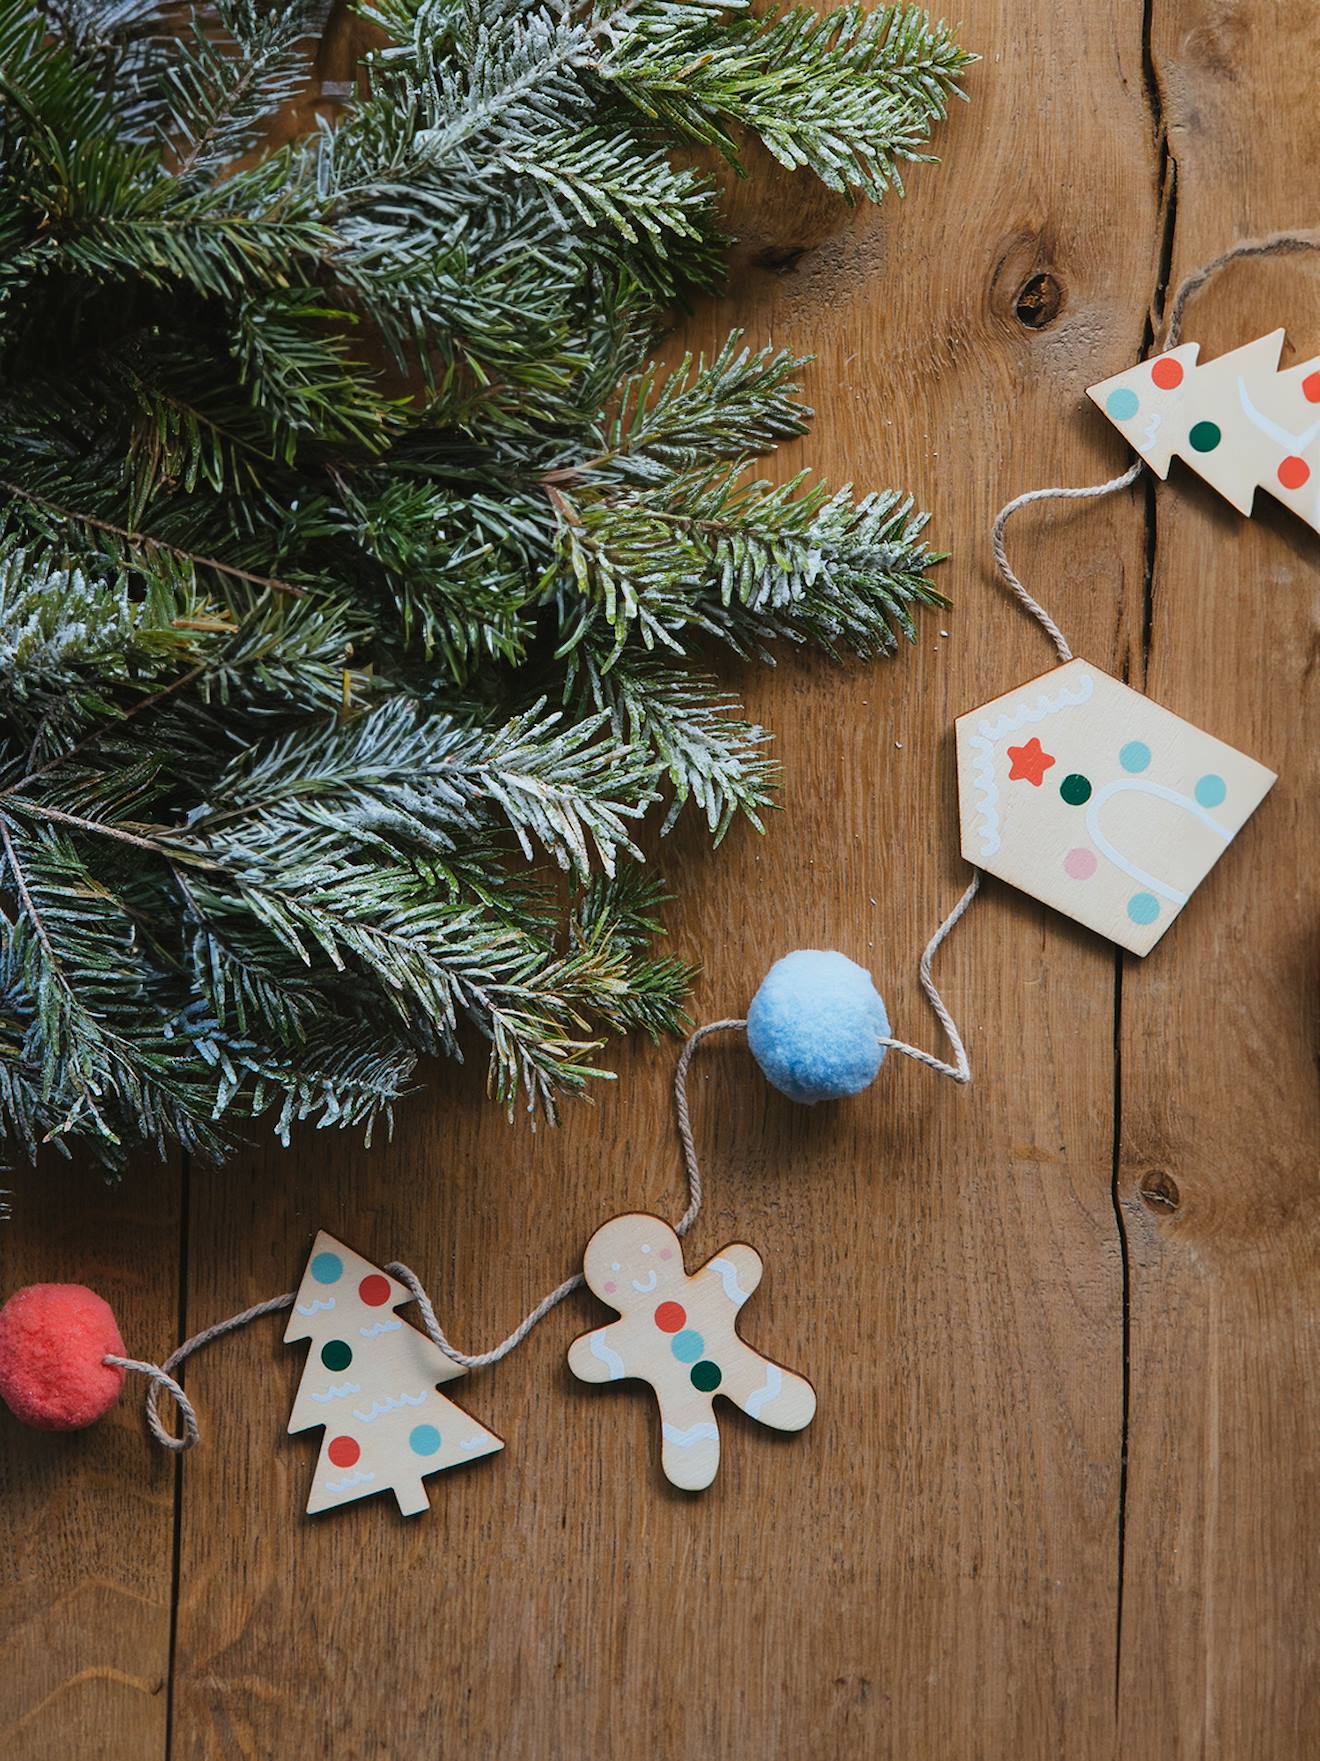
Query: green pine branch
(849, 94)
(361, 573)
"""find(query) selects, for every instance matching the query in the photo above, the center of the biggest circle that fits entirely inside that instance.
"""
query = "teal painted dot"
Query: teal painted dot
(1135, 755)
(327, 1268)
(1122, 403)
(1205, 436)
(336, 1355)
(1210, 790)
(1075, 790)
(1143, 907)
(425, 1440)
(706, 1376)
(687, 1346)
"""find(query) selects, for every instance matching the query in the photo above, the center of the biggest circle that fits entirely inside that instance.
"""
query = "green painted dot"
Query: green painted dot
(1075, 789)
(706, 1376)
(1205, 436)
(336, 1355)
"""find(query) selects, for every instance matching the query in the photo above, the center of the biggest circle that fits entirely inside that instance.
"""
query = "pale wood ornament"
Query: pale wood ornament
(370, 1379)
(1237, 420)
(679, 1333)
(1089, 797)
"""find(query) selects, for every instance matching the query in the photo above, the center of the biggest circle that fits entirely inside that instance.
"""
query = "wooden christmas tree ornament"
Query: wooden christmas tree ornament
(371, 1380)
(679, 1333)
(1087, 796)
(1237, 420)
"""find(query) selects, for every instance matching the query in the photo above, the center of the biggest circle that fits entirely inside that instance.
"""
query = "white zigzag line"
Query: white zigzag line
(357, 1478)
(768, 1391)
(727, 1273)
(341, 1393)
(1291, 443)
(987, 736)
(379, 1328)
(380, 1408)
(315, 1308)
(608, 1356)
(685, 1439)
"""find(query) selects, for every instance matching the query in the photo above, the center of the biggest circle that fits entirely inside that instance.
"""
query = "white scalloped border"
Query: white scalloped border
(988, 735)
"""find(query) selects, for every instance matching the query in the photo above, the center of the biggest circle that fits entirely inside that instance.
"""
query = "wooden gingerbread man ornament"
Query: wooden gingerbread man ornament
(679, 1333)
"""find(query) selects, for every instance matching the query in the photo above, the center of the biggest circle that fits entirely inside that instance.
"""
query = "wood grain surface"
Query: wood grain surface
(1060, 1495)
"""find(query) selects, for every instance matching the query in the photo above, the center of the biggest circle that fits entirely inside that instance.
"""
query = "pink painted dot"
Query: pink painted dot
(610, 1288)
(1080, 864)
(666, 1253)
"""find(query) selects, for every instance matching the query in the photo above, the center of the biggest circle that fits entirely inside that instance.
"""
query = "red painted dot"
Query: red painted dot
(1293, 472)
(670, 1317)
(1311, 388)
(374, 1290)
(344, 1452)
(1167, 374)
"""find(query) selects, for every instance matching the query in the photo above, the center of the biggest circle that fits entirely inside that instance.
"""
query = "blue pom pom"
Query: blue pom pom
(815, 1024)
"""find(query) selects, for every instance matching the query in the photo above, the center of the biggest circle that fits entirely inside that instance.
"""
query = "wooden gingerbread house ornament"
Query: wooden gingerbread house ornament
(1089, 797)
(680, 1334)
(1237, 420)
(371, 1380)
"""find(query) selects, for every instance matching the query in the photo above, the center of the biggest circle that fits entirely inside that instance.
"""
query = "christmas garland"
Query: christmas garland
(353, 560)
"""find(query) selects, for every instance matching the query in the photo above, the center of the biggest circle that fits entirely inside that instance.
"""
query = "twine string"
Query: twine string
(960, 1070)
(161, 1377)
(692, 1168)
(163, 1380)
(478, 1360)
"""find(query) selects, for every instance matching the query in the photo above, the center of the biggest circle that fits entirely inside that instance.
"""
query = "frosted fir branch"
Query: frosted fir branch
(709, 553)
(739, 405)
(711, 756)
(396, 779)
(216, 95)
(848, 94)
(356, 571)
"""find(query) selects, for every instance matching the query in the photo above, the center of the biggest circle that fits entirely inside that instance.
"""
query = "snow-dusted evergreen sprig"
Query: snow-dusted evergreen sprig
(357, 572)
(848, 94)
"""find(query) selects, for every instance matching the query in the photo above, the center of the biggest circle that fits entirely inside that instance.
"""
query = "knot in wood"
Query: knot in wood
(1159, 1190)
(1039, 301)
(780, 259)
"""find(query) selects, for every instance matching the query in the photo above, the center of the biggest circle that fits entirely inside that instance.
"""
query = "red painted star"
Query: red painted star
(1029, 763)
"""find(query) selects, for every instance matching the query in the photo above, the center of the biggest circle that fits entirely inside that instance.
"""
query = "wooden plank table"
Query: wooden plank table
(1060, 1497)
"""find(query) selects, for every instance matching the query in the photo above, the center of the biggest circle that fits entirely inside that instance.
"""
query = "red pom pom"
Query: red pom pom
(53, 1338)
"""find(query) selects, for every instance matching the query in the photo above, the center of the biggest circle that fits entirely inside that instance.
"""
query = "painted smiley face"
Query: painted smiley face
(632, 1258)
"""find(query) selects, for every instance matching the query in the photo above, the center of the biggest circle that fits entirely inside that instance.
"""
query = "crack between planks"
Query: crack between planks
(176, 1565)
(1125, 1263)
(1166, 223)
